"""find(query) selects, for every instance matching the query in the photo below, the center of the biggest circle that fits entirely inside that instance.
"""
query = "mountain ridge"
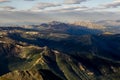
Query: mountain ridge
(64, 54)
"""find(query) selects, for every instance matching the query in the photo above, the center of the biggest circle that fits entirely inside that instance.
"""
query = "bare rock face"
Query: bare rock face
(22, 75)
(30, 75)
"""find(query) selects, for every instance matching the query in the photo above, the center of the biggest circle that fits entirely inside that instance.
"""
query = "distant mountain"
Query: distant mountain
(112, 26)
(89, 25)
(71, 28)
(109, 22)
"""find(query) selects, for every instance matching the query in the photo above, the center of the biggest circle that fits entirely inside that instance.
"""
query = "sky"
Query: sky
(39, 11)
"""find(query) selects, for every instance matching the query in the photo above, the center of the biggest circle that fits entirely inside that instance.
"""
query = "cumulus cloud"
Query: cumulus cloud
(41, 6)
(70, 9)
(2, 1)
(8, 8)
(74, 1)
(113, 4)
(53, 7)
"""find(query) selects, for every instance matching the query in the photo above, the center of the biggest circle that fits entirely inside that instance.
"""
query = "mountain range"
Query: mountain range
(59, 51)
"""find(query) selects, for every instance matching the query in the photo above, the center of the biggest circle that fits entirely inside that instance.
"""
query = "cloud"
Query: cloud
(113, 4)
(29, 0)
(96, 9)
(74, 1)
(42, 6)
(53, 7)
(8, 17)
(66, 8)
(2, 1)
(7, 8)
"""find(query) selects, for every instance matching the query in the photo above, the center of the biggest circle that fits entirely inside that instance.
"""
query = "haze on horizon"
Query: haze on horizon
(38, 11)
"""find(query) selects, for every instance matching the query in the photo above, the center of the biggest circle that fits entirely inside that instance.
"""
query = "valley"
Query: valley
(58, 51)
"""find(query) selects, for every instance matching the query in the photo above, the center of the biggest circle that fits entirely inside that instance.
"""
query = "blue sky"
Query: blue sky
(57, 9)
(31, 4)
(24, 5)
